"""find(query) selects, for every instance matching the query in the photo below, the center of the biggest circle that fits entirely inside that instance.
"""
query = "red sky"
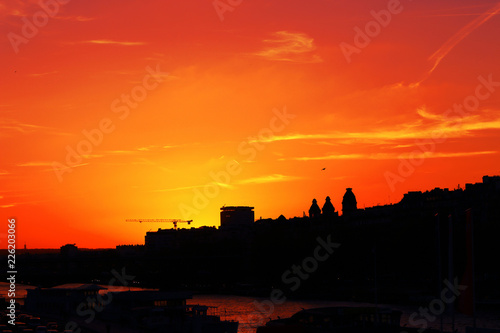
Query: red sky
(376, 108)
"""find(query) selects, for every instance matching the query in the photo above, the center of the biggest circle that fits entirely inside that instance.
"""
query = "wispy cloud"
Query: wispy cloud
(51, 169)
(139, 150)
(12, 124)
(113, 42)
(273, 178)
(42, 74)
(156, 147)
(24, 8)
(424, 113)
(443, 51)
(29, 202)
(8, 205)
(415, 130)
(267, 179)
(145, 161)
(35, 164)
(20, 127)
(76, 18)
(290, 46)
(183, 188)
(121, 152)
(49, 166)
(389, 156)
(16, 7)
(402, 146)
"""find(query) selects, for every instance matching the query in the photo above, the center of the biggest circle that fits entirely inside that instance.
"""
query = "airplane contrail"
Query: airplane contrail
(437, 56)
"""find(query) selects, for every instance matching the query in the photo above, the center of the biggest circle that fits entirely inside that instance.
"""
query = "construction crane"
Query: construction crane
(174, 221)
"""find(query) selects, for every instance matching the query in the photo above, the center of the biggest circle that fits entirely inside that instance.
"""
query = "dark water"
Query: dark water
(252, 312)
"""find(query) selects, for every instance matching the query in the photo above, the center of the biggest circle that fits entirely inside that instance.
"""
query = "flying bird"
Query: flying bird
(323, 169)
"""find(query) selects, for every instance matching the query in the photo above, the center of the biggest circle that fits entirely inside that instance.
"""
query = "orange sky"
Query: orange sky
(204, 87)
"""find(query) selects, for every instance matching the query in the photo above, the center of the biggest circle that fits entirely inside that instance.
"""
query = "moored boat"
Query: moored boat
(339, 319)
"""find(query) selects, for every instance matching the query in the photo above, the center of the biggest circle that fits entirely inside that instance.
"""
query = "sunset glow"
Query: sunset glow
(115, 110)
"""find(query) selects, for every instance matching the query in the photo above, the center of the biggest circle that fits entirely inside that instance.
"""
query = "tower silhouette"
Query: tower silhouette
(314, 211)
(349, 204)
(328, 209)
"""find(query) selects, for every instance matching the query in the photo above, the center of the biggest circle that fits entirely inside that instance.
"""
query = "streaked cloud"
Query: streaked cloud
(390, 156)
(145, 161)
(402, 146)
(8, 205)
(120, 152)
(92, 156)
(443, 51)
(51, 169)
(183, 188)
(139, 150)
(27, 202)
(290, 46)
(445, 127)
(113, 42)
(48, 165)
(18, 8)
(42, 74)
(76, 18)
(13, 125)
(424, 113)
(35, 164)
(157, 147)
(267, 179)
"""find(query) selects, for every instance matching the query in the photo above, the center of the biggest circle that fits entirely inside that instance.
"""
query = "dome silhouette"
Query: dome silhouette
(349, 203)
(328, 209)
(314, 211)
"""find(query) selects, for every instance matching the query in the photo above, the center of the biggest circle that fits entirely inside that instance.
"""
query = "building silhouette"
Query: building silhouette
(328, 209)
(175, 239)
(314, 211)
(349, 203)
(236, 217)
(69, 250)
